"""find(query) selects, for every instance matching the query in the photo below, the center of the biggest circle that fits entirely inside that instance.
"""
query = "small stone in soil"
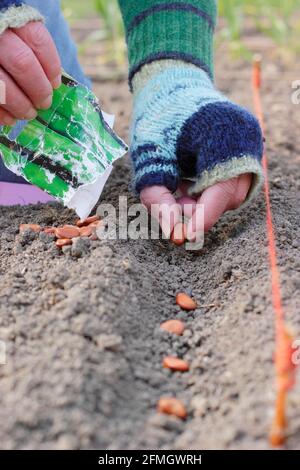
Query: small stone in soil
(80, 247)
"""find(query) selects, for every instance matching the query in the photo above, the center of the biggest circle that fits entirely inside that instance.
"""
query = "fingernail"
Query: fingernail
(56, 82)
(165, 222)
(31, 114)
(9, 121)
(46, 103)
(190, 235)
(191, 232)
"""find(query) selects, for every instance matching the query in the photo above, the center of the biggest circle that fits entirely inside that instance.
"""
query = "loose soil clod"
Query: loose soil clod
(33, 227)
(185, 302)
(175, 327)
(67, 231)
(176, 364)
(172, 406)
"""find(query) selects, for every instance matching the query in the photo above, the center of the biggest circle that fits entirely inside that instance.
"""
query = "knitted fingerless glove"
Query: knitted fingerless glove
(15, 14)
(183, 127)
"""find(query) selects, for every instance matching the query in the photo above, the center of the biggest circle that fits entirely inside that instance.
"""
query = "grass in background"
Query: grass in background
(113, 31)
(277, 19)
(78, 9)
(111, 16)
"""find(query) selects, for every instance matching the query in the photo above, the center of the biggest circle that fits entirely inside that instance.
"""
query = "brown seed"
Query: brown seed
(50, 230)
(96, 223)
(63, 242)
(33, 227)
(172, 406)
(179, 234)
(175, 327)
(86, 231)
(87, 221)
(185, 301)
(176, 364)
(67, 231)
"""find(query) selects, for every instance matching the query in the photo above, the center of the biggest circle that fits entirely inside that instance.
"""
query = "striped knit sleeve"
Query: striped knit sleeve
(15, 14)
(187, 22)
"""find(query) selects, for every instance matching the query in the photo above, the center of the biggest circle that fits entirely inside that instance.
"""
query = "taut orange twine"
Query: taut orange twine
(284, 366)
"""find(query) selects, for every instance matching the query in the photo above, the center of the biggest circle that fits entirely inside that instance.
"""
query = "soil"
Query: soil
(84, 348)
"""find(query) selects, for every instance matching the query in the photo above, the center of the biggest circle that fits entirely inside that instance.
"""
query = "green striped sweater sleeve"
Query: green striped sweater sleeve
(179, 30)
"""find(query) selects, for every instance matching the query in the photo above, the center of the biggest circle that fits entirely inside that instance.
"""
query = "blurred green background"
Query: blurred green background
(277, 20)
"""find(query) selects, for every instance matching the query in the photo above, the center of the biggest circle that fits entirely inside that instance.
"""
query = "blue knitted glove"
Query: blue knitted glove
(183, 128)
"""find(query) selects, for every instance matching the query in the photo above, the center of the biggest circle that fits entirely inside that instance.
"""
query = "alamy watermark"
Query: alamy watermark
(296, 93)
(132, 222)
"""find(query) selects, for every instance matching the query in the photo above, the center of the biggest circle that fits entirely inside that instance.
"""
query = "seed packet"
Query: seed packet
(68, 150)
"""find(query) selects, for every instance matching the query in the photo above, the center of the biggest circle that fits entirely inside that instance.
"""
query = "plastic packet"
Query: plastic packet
(68, 150)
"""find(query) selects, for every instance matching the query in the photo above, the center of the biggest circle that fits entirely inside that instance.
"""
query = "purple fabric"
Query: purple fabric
(12, 194)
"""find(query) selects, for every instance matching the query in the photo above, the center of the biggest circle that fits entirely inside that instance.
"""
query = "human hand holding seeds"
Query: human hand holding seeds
(212, 204)
(30, 68)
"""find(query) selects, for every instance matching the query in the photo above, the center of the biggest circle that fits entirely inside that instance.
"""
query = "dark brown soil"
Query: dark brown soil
(84, 351)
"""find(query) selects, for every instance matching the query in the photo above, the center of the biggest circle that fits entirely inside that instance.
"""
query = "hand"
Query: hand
(30, 68)
(215, 200)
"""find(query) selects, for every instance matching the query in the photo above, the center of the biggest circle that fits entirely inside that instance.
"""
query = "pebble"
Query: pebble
(80, 247)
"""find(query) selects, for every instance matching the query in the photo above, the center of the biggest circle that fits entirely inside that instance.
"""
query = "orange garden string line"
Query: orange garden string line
(284, 367)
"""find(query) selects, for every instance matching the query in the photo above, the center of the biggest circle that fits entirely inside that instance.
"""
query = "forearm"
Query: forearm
(162, 30)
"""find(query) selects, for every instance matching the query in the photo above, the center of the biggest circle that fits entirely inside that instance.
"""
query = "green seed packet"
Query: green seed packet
(68, 150)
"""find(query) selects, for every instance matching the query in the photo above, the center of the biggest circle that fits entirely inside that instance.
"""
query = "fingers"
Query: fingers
(215, 201)
(16, 102)
(39, 40)
(162, 205)
(6, 119)
(22, 64)
(188, 205)
(203, 213)
(210, 206)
